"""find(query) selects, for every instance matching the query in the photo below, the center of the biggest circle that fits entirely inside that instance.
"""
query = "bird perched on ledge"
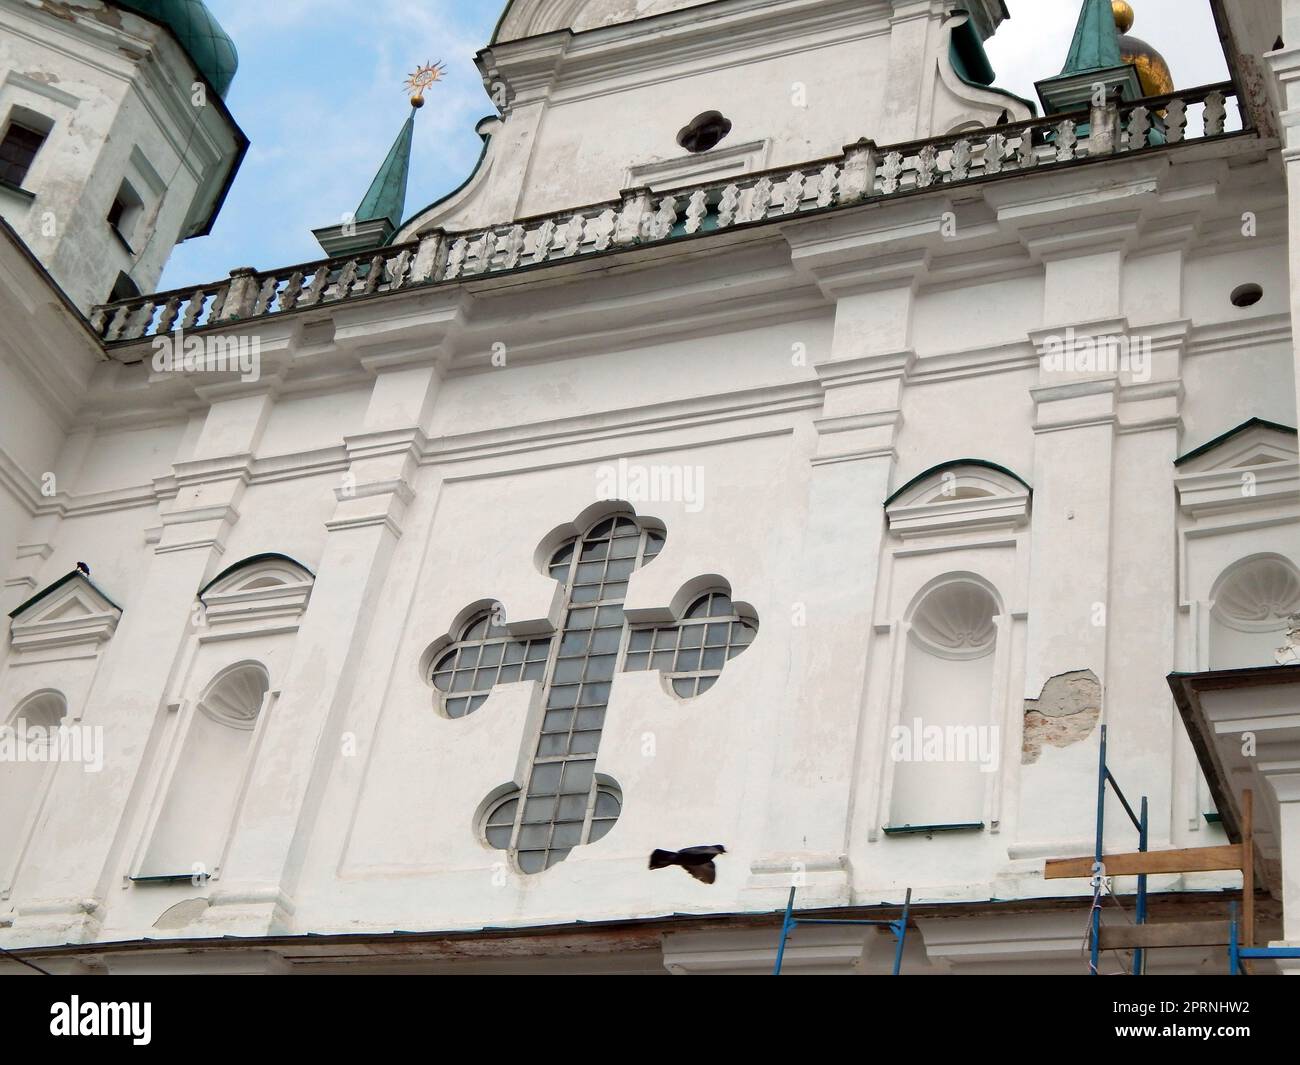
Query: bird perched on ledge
(698, 861)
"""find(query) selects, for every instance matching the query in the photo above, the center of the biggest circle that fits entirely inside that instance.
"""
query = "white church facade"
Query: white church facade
(784, 439)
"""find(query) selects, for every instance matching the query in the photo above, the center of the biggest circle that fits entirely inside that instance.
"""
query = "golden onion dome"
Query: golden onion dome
(1153, 71)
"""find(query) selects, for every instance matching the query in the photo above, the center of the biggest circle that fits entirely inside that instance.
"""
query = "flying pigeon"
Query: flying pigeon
(698, 861)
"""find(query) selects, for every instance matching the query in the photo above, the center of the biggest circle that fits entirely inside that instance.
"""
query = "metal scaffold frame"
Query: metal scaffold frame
(1141, 936)
(898, 928)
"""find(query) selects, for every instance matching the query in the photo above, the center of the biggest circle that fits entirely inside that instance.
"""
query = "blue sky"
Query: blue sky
(319, 95)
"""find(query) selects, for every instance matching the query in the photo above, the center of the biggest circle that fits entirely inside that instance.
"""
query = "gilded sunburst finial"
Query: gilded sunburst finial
(424, 76)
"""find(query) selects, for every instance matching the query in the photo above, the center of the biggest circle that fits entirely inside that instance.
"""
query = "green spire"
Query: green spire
(387, 195)
(1096, 40)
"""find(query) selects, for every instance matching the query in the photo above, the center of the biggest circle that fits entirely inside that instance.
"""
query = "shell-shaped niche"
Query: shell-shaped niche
(957, 620)
(1259, 593)
(236, 697)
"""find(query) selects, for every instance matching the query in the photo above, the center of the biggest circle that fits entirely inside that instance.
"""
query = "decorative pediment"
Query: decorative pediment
(71, 615)
(1257, 463)
(263, 593)
(956, 496)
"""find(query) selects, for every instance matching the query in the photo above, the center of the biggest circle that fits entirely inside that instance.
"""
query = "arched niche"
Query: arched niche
(1253, 602)
(943, 743)
(201, 798)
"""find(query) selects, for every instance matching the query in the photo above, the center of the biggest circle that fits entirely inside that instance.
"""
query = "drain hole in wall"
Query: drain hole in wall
(1247, 295)
(704, 132)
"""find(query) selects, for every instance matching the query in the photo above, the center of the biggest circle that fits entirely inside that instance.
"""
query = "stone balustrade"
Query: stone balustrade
(863, 173)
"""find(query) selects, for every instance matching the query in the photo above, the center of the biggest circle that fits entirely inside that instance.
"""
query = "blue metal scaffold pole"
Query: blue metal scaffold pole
(1142, 824)
(898, 928)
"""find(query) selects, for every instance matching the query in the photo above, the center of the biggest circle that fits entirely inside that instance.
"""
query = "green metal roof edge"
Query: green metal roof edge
(482, 155)
(1223, 438)
(981, 463)
(198, 33)
(50, 588)
(241, 138)
(967, 49)
(253, 560)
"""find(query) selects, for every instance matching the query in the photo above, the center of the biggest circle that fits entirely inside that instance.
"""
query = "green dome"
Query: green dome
(198, 32)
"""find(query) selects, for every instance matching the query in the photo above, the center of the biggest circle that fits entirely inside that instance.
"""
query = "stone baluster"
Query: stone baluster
(99, 320)
(602, 228)
(138, 323)
(456, 259)
(891, 175)
(316, 290)
(729, 206)
(516, 241)
(194, 308)
(574, 233)
(544, 242)
(827, 184)
(760, 199)
(1026, 153)
(400, 275)
(375, 274)
(1139, 127)
(347, 278)
(1175, 121)
(120, 319)
(959, 165)
(927, 166)
(995, 151)
(481, 253)
(792, 194)
(168, 317)
(663, 220)
(218, 303)
(1067, 139)
(1216, 113)
(292, 291)
(266, 295)
(697, 210)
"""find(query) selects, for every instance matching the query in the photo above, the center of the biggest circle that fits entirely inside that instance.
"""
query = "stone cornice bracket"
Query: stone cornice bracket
(378, 488)
(382, 334)
(869, 250)
(862, 411)
(523, 71)
(1075, 405)
(205, 506)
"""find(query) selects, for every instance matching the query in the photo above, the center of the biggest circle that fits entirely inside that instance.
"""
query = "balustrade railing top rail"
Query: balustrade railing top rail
(862, 173)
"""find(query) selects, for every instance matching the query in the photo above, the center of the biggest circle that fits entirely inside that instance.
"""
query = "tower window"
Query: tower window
(124, 213)
(17, 151)
(704, 132)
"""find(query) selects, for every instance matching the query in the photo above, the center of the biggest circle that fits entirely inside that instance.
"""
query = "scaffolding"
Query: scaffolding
(898, 928)
(1140, 936)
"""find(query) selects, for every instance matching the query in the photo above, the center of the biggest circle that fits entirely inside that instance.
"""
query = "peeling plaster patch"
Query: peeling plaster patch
(104, 13)
(42, 77)
(182, 914)
(1065, 713)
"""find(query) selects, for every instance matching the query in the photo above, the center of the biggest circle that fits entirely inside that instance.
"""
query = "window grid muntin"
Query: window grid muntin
(586, 562)
(691, 654)
(18, 149)
(491, 655)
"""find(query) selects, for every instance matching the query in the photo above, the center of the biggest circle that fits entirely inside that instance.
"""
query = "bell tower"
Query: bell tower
(115, 140)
